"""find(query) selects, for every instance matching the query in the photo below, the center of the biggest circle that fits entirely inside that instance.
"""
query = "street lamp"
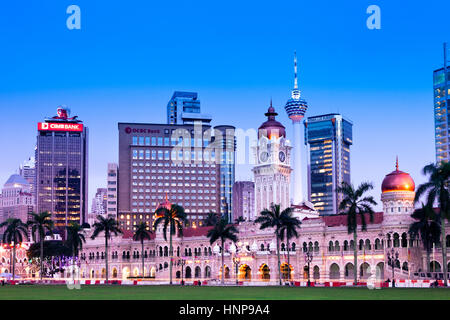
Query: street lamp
(183, 263)
(393, 256)
(308, 260)
(236, 261)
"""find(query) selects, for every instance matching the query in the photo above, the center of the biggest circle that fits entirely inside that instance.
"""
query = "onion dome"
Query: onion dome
(271, 128)
(397, 181)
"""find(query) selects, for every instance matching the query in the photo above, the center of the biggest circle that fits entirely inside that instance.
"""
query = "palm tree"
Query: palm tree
(289, 226)
(40, 223)
(427, 226)
(273, 219)
(222, 231)
(141, 234)
(211, 219)
(355, 204)
(174, 218)
(109, 226)
(75, 240)
(436, 189)
(14, 233)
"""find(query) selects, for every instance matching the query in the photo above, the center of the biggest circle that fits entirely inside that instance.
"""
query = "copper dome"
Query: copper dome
(398, 181)
(271, 128)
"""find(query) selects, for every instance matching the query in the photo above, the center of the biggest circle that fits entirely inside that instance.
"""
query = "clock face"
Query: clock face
(264, 156)
(282, 156)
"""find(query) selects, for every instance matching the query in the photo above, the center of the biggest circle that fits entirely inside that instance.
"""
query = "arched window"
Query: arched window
(361, 244)
(310, 246)
(396, 240)
(330, 246)
(345, 245)
(305, 247)
(316, 246)
(377, 244)
(404, 240)
(160, 251)
(262, 246)
(283, 247)
(293, 246)
(336, 246)
(368, 246)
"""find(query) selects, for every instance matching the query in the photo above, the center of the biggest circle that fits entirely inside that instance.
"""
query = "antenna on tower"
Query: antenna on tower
(295, 70)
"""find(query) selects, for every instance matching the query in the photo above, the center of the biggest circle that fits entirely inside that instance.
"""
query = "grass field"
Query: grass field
(215, 293)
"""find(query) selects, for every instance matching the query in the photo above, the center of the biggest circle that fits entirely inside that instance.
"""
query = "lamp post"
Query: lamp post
(236, 261)
(393, 256)
(308, 260)
(183, 263)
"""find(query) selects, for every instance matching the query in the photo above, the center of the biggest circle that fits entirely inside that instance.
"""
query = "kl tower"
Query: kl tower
(295, 109)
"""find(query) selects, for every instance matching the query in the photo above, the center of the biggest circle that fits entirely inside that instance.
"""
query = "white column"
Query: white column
(297, 145)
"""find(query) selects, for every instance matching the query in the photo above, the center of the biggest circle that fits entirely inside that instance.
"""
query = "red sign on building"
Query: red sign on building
(52, 126)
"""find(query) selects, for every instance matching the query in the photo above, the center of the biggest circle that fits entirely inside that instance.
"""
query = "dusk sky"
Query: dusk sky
(129, 57)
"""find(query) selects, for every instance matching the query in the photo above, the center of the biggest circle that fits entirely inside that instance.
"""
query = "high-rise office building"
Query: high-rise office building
(16, 199)
(184, 108)
(62, 169)
(296, 108)
(180, 162)
(441, 80)
(328, 138)
(27, 170)
(113, 184)
(99, 204)
(227, 169)
(244, 200)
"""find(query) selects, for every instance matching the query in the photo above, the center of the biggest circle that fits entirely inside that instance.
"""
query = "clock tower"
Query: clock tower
(272, 171)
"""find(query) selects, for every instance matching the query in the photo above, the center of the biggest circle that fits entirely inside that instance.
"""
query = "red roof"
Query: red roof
(196, 232)
(128, 234)
(341, 220)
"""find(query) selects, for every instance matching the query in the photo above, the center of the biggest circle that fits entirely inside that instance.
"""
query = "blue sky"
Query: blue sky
(128, 58)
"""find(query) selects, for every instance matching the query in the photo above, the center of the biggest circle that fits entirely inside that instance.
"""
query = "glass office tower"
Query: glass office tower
(441, 121)
(62, 169)
(328, 138)
(184, 108)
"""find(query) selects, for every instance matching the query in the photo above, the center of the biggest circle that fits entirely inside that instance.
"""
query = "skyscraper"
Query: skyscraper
(27, 171)
(244, 200)
(62, 168)
(441, 80)
(99, 205)
(329, 138)
(184, 108)
(113, 184)
(296, 108)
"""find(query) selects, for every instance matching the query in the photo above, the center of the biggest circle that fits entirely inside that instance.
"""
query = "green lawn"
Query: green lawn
(215, 293)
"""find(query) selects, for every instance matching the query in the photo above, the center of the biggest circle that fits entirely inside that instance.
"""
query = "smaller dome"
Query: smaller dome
(398, 181)
(165, 204)
(271, 128)
(16, 179)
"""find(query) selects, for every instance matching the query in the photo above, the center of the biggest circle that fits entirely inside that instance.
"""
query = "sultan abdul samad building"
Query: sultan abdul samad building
(325, 237)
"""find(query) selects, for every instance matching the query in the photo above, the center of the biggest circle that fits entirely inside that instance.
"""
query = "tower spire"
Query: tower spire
(295, 70)
(396, 163)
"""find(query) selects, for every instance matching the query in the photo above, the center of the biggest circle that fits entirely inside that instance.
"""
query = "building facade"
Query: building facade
(272, 170)
(62, 169)
(244, 200)
(99, 204)
(181, 162)
(16, 200)
(385, 249)
(328, 138)
(184, 108)
(113, 185)
(27, 170)
(441, 80)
